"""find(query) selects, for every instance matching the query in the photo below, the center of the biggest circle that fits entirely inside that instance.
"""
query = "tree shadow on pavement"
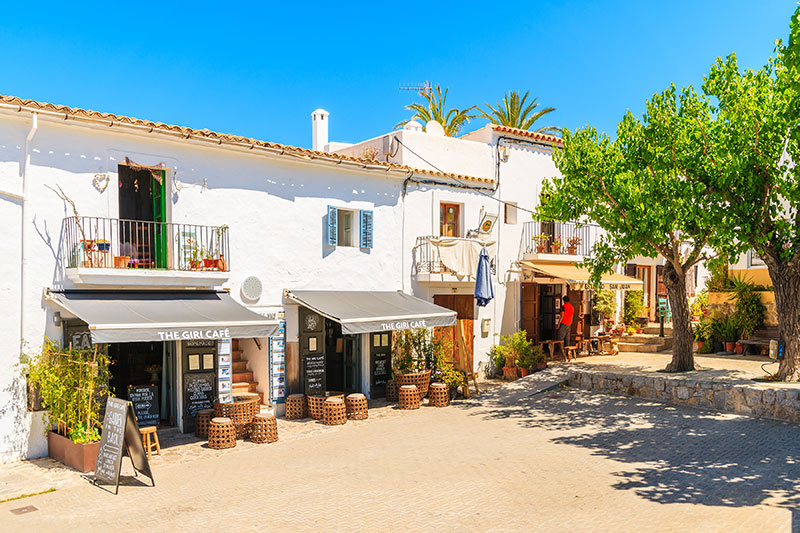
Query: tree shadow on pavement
(693, 456)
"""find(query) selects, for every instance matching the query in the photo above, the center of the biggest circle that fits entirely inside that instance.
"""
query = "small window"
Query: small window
(449, 215)
(346, 227)
(511, 213)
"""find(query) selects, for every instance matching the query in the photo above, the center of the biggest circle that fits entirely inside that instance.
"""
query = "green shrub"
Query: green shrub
(515, 347)
(634, 302)
(605, 302)
(749, 313)
(700, 303)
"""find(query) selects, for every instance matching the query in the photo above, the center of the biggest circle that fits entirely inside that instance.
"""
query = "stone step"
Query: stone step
(244, 387)
(655, 330)
(242, 377)
(644, 348)
(644, 339)
(240, 366)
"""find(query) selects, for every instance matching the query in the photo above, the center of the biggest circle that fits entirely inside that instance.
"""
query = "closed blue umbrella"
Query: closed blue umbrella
(483, 280)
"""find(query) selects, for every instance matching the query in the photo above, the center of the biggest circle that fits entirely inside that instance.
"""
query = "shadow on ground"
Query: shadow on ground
(693, 456)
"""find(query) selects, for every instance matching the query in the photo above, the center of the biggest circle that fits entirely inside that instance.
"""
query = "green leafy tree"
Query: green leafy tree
(752, 149)
(435, 108)
(642, 189)
(513, 112)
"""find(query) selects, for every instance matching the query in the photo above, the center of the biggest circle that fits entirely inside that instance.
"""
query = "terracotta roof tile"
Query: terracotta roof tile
(226, 138)
(543, 137)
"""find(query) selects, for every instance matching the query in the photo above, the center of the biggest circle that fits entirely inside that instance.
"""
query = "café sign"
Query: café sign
(406, 324)
(192, 334)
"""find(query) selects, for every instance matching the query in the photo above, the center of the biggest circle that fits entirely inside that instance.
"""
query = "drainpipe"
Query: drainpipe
(23, 268)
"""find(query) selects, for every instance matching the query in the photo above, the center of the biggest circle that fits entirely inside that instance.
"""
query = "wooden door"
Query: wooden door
(530, 310)
(449, 220)
(462, 335)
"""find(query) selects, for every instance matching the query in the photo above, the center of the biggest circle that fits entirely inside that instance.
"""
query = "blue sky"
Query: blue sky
(259, 70)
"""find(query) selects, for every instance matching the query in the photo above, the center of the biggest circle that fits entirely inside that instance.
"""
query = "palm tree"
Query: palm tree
(513, 112)
(452, 120)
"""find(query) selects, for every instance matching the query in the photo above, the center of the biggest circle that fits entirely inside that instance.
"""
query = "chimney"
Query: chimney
(319, 130)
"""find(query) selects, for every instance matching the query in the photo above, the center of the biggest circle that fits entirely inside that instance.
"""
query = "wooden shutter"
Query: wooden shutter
(661, 289)
(630, 270)
(366, 229)
(333, 230)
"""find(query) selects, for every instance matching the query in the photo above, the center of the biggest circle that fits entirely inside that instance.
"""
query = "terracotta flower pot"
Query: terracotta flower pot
(509, 372)
(730, 346)
(121, 261)
(572, 250)
(699, 345)
(739, 348)
(210, 263)
(541, 365)
(195, 264)
(523, 372)
(541, 249)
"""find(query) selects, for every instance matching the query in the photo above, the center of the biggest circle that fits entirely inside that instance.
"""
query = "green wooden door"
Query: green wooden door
(160, 219)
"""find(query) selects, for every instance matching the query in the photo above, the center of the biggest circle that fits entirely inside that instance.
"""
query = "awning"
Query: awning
(578, 277)
(369, 311)
(141, 316)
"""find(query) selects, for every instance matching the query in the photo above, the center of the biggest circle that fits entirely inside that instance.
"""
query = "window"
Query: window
(511, 213)
(349, 227)
(449, 215)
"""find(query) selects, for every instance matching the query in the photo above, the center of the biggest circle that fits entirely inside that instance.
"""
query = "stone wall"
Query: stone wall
(756, 399)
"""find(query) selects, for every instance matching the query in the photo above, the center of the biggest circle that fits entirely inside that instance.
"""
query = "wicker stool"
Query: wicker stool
(391, 391)
(356, 406)
(438, 395)
(148, 444)
(201, 421)
(264, 429)
(409, 397)
(221, 433)
(316, 406)
(335, 413)
(295, 406)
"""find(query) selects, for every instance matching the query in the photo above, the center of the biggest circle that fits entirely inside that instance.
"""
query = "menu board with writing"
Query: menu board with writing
(120, 433)
(314, 370)
(199, 392)
(145, 404)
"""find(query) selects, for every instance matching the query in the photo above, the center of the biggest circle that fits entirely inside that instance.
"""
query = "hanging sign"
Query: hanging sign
(120, 434)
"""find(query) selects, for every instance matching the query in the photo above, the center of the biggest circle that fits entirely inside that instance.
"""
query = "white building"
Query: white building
(282, 227)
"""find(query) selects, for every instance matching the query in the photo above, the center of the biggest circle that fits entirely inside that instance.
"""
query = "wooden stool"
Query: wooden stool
(316, 407)
(221, 433)
(147, 443)
(356, 406)
(335, 413)
(201, 421)
(296, 406)
(408, 397)
(438, 395)
(264, 429)
(391, 391)
(571, 352)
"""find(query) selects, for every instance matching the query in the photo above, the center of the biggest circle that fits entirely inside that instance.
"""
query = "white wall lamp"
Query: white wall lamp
(57, 318)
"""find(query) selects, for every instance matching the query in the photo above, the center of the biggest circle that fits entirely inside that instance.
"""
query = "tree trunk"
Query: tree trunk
(682, 355)
(786, 281)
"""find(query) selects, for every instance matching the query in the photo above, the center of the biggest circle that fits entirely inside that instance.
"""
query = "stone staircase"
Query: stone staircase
(243, 380)
(647, 341)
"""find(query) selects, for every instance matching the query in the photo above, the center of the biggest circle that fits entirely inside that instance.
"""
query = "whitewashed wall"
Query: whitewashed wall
(276, 211)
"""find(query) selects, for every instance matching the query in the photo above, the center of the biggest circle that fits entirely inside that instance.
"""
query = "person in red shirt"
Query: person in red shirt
(567, 314)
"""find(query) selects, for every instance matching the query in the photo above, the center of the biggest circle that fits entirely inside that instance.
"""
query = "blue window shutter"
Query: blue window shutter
(366, 229)
(333, 230)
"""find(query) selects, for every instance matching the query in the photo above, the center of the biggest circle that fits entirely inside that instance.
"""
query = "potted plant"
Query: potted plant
(555, 247)
(572, 245)
(701, 332)
(630, 330)
(209, 259)
(102, 245)
(605, 303)
(514, 348)
(498, 358)
(537, 358)
(523, 365)
(72, 384)
(121, 261)
(541, 239)
(728, 332)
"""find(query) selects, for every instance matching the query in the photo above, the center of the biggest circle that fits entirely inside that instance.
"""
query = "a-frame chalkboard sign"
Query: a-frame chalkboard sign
(120, 432)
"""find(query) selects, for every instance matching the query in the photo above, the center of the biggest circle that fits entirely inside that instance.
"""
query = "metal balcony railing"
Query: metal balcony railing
(427, 260)
(96, 242)
(570, 238)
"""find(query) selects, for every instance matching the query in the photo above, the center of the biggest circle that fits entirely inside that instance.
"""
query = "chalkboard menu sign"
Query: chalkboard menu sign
(145, 404)
(120, 433)
(314, 370)
(199, 393)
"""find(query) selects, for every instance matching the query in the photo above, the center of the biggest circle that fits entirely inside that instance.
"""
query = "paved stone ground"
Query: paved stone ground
(562, 459)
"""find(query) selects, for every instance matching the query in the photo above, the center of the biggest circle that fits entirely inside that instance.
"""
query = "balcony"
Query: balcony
(558, 241)
(109, 251)
(429, 267)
